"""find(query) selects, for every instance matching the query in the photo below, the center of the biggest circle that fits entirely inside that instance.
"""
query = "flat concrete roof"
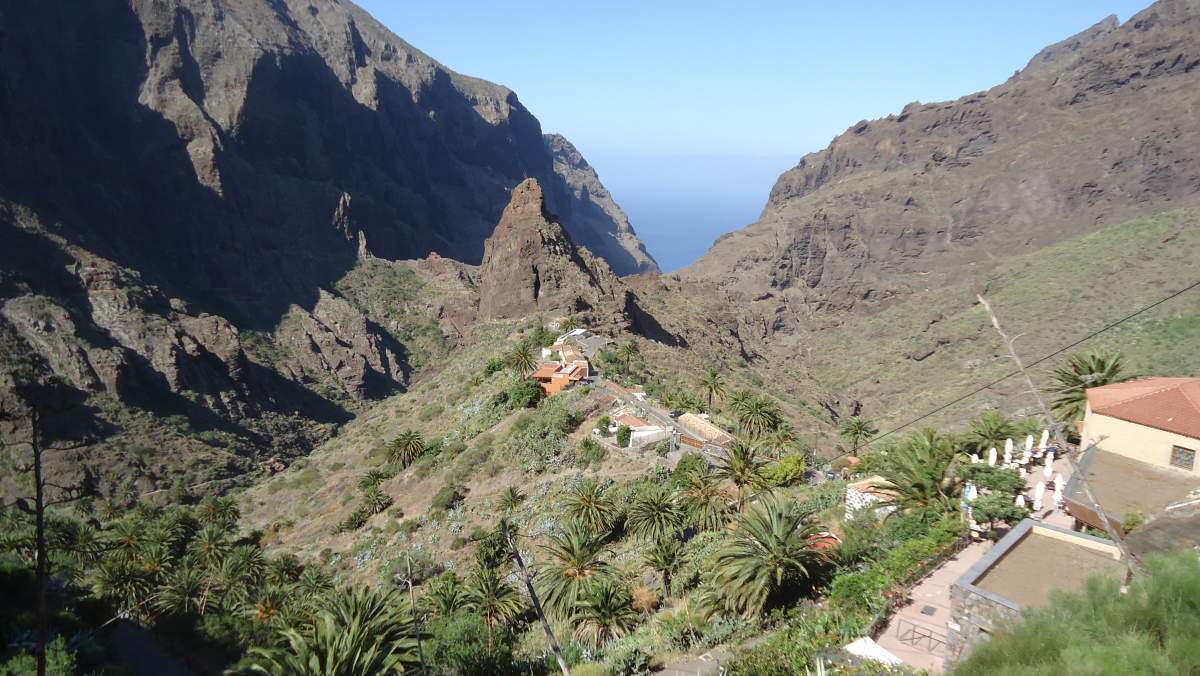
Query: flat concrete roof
(1123, 485)
(1035, 559)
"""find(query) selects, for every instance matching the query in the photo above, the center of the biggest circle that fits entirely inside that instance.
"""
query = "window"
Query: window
(1184, 458)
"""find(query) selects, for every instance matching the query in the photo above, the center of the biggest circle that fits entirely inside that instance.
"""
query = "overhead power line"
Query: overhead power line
(1017, 372)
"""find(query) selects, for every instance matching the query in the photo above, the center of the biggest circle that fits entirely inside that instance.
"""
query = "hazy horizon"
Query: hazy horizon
(643, 90)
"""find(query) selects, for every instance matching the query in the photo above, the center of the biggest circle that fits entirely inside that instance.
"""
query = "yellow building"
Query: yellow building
(1153, 420)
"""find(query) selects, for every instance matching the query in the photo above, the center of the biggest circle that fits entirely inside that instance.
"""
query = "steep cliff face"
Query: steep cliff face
(1097, 129)
(245, 151)
(530, 265)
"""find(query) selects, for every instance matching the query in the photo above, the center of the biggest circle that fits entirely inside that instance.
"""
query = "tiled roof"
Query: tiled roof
(631, 421)
(545, 371)
(1170, 404)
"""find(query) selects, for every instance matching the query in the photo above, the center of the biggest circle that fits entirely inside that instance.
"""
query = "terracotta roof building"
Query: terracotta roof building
(1154, 420)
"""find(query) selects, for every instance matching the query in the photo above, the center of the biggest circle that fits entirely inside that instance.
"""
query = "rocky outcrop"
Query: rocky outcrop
(600, 223)
(334, 339)
(242, 155)
(531, 265)
(1098, 129)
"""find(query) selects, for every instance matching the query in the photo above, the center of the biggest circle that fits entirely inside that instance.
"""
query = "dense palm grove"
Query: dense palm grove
(715, 551)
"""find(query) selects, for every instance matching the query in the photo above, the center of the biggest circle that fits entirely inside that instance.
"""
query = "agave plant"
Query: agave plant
(771, 551)
(355, 632)
(1080, 372)
(510, 498)
(444, 595)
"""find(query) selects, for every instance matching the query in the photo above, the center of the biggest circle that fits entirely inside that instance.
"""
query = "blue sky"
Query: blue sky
(688, 110)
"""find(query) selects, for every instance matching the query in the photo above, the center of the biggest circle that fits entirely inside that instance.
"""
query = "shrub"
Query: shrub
(603, 424)
(591, 453)
(409, 526)
(997, 508)
(786, 472)
(690, 463)
(623, 434)
(1151, 629)
(494, 365)
(430, 411)
(663, 448)
(524, 393)
(448, 497)
(993, 478)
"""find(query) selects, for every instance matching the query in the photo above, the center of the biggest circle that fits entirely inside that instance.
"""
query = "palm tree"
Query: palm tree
(372, 479)
(919, 474)
(628, 351)
(284, 569)
(314, 583)
(573, 563)
(362, 631)
(123, 583)
(738, 401)
(521, 359)
(654, 513)
(759, 415)
(712, 384)
(1080, 372)
(856, 430)
(568, 324)
(605, 612)
(126, 538)
(182, 592)
(496, 601)
(771, 551)
(707, 505)
(445, 595)
(741, 466)
(665, 557)
(510, 498)
(375, 500)
(218, 510)
(781, 439)
(406, 448)
(989, 430)
(587, 504)
(210, 546)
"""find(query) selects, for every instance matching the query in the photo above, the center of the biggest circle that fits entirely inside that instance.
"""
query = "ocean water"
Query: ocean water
(679, 204)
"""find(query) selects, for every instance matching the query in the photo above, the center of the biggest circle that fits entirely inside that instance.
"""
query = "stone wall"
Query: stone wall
(973, 618)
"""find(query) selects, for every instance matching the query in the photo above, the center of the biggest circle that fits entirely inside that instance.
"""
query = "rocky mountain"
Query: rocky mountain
(1097, 129)
(205, 208)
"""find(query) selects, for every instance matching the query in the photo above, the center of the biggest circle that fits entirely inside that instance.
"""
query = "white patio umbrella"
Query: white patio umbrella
(1029, 442)
(1058, 482)
(1020, 500)
(1008, 445)
(992, 457)
(1021, 471)
(1007, 457)
(972, 493)
(1049, 458)
(1047, 471)
(1039, 490)
(1037, 505)
(975, 459)
(1045, 439)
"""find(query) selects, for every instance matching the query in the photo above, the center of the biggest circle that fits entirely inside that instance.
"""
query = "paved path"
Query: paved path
(916, 633)
(698, 665)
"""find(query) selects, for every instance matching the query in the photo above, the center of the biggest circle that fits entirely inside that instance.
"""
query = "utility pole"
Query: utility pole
(506, 530)
(1132, 565)
(412, 601)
